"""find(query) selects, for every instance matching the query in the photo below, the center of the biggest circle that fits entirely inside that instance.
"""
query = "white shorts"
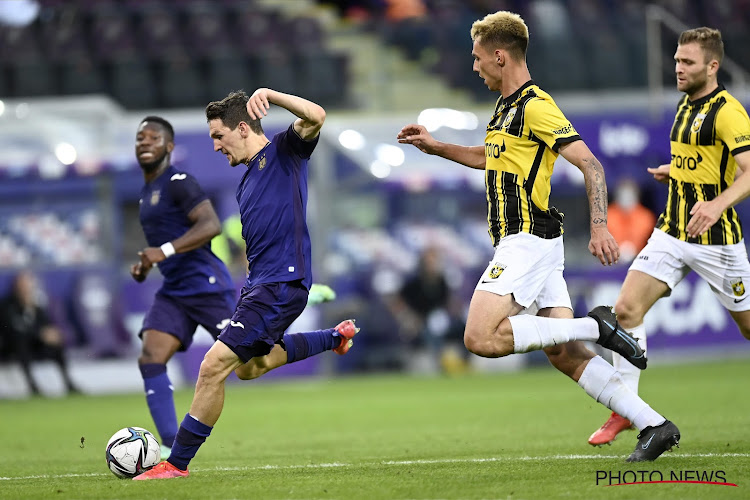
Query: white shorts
(529, 267)
(724, 267)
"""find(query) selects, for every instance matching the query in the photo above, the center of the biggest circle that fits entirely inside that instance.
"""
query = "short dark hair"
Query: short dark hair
(161, 121)
(709, 40)
(232, 110)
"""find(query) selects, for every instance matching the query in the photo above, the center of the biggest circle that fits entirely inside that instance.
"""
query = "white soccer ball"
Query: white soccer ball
(131, 451)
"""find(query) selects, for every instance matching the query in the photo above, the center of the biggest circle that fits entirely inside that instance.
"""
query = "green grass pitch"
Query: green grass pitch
(506, 436)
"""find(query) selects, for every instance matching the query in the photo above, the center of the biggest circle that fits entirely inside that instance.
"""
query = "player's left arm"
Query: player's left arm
(733, 129)
(205, 224)
(705, 214)
(602, 244)
(310, 116)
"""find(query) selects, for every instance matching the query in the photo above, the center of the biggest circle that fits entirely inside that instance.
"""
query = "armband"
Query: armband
(168, 249)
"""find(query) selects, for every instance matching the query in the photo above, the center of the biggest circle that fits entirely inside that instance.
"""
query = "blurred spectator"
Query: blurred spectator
(427, 314)
(26, 332)
(630, 223)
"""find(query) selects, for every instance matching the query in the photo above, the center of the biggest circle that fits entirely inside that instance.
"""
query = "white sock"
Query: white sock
(631, 374)
(532, 333)
(603, 383)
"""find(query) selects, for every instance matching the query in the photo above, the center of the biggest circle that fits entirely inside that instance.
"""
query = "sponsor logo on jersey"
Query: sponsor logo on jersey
(178, 177)
(742, 138)
(492, 150)
(155, 197)
(563, 130)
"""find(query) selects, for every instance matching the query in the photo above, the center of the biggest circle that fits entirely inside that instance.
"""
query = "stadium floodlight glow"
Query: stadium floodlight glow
(434, 118)
(351, 139)
(66, 153)
(22, 110)
(380, 169)
(390, 154)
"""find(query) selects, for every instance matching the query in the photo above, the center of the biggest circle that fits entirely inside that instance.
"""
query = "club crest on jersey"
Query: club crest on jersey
(509, 117)
(738, 287)
(496, 271)
(698, 122)
(155, 197)
(262, 162)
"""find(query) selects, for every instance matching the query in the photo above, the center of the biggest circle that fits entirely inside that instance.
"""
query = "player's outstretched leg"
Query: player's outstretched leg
(162, 470)
(346, 331)
(653, 441)
(609, 431)
(615, 338)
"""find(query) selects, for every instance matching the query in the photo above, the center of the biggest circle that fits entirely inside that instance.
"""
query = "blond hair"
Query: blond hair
(505, 30)
(708, 39)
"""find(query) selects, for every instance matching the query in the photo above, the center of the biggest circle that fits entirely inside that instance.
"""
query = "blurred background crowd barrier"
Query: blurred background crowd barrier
(76, 77)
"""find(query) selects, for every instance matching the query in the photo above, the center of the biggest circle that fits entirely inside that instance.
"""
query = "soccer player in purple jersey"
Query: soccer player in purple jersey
(178, 221)
(272, 197)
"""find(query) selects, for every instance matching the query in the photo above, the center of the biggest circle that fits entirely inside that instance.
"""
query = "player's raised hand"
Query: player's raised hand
(140, 269)
(704, 215)
(603, 246)
(660, 173)
(258, 104)
(417, 136)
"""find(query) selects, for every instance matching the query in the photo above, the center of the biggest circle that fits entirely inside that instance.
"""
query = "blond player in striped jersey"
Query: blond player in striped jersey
(699, 229)
(524, 137)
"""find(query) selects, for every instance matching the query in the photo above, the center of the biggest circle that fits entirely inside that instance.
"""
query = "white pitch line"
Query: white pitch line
(397, 463)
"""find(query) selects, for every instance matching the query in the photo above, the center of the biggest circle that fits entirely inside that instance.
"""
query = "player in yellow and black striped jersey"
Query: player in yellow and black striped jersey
(521, 146)
(525, 135)
(706, 136)
(699, 230)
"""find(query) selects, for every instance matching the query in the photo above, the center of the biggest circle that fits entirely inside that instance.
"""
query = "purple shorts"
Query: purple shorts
(263, 314)
(180, 316)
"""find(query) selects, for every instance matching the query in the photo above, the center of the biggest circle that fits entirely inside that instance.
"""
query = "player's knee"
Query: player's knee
(254, 369)
(148, 357)
(248, 372)
(211, 368)
(628, 313)
(489, 344)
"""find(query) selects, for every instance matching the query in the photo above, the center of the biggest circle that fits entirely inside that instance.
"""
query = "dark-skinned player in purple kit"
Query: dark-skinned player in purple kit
(272, 197)
(178, 222)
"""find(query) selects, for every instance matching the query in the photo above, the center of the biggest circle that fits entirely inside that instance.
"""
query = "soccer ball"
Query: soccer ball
(131, 451)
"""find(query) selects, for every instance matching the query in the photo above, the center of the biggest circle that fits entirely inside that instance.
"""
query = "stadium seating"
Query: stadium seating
(162, 54)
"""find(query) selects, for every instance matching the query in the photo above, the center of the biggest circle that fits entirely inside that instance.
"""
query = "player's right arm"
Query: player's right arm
(140, 269)
(205, 224)
(660, 173)
(419, 137)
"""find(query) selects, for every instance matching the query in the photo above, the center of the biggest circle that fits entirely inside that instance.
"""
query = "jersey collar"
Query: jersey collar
(706, 98)
(251, 160)
(515, 95)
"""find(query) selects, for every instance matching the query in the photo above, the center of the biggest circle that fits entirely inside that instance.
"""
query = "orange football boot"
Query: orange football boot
(609, 431)
(162, 470)
(346, 330)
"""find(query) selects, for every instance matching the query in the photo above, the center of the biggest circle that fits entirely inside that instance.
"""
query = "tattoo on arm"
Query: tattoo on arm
(596, 189)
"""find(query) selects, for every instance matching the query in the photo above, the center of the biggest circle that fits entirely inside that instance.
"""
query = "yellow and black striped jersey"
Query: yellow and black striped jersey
(523, 137)
(706, 133)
